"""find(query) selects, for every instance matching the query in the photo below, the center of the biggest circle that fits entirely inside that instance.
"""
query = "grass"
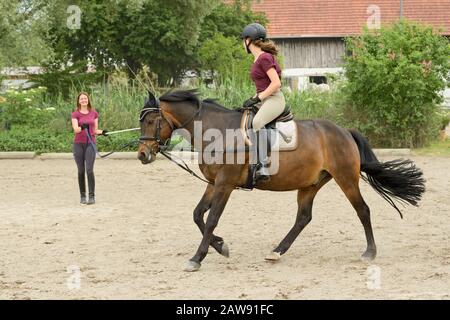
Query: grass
(438, 148)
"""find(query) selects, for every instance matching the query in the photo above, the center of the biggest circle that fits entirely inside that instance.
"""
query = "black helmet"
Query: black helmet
(254, 31)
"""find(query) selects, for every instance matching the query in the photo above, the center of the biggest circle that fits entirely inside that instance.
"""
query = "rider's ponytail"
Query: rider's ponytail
(267, 46)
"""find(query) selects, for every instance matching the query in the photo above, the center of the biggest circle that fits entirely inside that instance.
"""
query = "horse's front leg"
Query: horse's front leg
(221, 194)
(199, 212)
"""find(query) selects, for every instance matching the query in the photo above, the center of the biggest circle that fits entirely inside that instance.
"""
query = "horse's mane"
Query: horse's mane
(181, 95)
(213, 102)
(192, 96)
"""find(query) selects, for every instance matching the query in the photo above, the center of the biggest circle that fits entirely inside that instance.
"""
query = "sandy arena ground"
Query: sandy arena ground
(136, 240)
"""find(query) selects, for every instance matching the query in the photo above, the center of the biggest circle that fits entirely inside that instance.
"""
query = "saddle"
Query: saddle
(285, 116)
(284, 126)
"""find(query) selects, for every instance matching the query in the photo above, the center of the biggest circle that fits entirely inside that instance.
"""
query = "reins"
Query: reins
(185, 167)
(123, 146)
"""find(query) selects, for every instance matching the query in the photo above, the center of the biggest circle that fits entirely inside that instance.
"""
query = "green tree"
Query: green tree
(158, 33)
(225, 57)
(395, 79)
(165, 34)
(97, 38)
(220, 48)
(21, 28)
(230, 19)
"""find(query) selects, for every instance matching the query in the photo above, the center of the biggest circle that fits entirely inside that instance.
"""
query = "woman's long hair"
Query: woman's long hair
(267, 46)
(89, 101)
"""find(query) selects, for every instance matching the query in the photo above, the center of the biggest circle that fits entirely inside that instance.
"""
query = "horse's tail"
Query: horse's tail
(397, 179)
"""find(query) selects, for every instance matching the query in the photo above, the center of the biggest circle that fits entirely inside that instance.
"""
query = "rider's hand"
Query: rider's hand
(84, 126)
(251, 102)
(105, 132)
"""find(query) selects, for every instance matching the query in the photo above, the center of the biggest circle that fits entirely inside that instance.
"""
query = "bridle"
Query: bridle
(157, 137)
(163, 146)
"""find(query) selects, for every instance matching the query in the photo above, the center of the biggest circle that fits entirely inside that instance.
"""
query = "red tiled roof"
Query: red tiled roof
(308, 18)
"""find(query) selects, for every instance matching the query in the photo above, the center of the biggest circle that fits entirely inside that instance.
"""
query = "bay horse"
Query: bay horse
(324, 151)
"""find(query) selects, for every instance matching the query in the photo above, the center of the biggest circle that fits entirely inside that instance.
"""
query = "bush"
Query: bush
(445, 119)
(312, 104)
(395, 79)
(23, 138)
(32, 121)
(20, 107)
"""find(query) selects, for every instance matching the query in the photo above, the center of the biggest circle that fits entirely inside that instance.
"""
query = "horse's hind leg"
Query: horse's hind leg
(199, 212)
(351, 190)
(305, 199)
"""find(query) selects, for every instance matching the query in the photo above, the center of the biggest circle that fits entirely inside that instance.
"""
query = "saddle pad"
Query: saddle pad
(289, 131)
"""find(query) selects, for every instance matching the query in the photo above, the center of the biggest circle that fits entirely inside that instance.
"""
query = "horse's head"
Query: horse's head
(156, 130)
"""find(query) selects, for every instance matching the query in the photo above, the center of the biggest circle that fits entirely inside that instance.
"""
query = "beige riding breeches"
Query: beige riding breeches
(271, 107)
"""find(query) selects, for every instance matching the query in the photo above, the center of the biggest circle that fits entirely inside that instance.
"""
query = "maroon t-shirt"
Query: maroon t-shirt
(259, 71)
(82, 118)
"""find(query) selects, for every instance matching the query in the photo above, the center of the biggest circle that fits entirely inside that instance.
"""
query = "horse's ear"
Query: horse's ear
(151, 98)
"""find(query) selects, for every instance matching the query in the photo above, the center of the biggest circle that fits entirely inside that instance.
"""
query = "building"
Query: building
(18, 77)
(310, 33)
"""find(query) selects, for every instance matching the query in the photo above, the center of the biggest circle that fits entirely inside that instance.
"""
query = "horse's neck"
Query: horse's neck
(220, 120)
(209, 118)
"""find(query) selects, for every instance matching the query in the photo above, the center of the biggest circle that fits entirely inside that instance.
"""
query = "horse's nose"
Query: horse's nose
(142, 156)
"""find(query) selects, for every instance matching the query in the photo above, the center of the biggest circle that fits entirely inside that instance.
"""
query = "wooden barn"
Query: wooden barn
(310, 33)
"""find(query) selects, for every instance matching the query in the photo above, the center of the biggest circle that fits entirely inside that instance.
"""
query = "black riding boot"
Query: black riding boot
(263, 143)
(82, 185)
(91, 185)
(259, 171)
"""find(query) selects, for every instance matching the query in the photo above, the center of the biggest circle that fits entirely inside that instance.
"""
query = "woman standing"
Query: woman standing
(266, 74)
(84, 122)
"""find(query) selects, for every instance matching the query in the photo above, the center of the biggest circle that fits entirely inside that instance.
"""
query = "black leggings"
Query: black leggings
(84, 155)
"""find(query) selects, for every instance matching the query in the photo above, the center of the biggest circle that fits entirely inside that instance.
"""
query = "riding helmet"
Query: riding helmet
(254, 31)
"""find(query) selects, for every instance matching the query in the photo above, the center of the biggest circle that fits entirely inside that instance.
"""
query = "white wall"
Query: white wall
(302, 75)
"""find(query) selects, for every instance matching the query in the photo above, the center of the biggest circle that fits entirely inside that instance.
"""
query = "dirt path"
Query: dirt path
(135, 241)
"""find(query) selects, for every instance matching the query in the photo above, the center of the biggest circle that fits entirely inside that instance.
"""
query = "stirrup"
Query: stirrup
(262, 173)
(254, 176)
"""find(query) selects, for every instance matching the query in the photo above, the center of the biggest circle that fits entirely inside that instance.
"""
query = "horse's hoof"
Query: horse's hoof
(225, 251)
(192, 266)
(368, 256)
(273, 256)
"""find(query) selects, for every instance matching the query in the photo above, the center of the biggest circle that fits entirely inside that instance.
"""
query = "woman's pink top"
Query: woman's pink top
(82, 118)
(259, 71)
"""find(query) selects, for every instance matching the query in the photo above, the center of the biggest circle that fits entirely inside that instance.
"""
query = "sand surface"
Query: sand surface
(135, 241)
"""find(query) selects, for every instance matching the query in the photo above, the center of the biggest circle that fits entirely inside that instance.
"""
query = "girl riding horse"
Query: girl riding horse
(265, 73)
